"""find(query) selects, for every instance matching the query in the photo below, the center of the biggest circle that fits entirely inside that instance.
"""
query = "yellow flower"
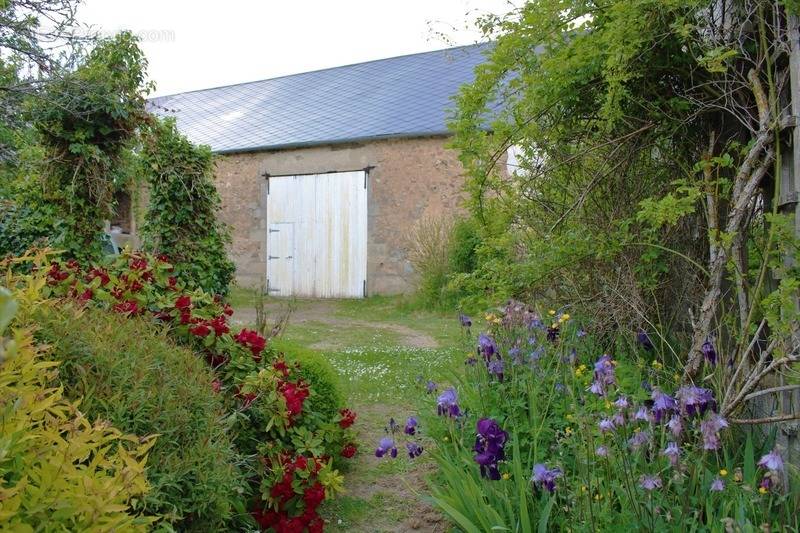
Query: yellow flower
(506, 476)
(657, 365)
(598, 497)
(568, 431)
(583, 488)
(555, 325)
(551, 312)
(723, 472)
(676, 377)
(446, 438)
(762, 490)
(608, 404)
(564, 317)
(569, 416)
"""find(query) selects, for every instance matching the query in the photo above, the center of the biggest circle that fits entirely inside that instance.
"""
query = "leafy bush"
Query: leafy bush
(59, 471)
(429, 249)
(135, 377)
(289, 448)
(315, 370)
(181, 219)
(543, 428)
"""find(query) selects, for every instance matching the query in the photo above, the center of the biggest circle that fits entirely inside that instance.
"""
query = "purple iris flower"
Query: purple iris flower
(431, 387)
(710, 428)
(601, 451)
(489, 447)
(606, 425)
(649, 483)
(487, 346)
(644, 340)
(465, 321)
(672, 452)
(709, 352)
(552, 333)
(411, 426)
(695, 400)
(414, 449)
(717, 485)
(772, 461)
(386, 445)
(447, 403)
(675, 425)
(496, 368)
(639, 439)
(662, 404)
(545, 478)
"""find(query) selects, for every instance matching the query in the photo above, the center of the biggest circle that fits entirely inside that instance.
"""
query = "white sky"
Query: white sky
(201, 43)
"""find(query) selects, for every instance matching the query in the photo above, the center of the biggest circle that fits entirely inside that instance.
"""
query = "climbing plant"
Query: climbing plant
(85, 120)
(181, 220)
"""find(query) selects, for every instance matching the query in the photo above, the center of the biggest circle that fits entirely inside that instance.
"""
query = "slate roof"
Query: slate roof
(404, 96)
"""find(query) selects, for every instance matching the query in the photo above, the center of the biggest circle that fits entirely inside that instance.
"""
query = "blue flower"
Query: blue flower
(447, 403)
(545, 478)
(644, 340)
(411, 426)
(386, 445)
(496, 368)
(489, 447)
(717, 485)
(663, 404)
(695, 400)
(431, 387)
(487, 346)
(650, 483)
(414, 449)
(709, 352)
(465, 321)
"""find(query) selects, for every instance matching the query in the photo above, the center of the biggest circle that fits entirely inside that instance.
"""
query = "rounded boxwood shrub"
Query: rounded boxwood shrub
(142, 383)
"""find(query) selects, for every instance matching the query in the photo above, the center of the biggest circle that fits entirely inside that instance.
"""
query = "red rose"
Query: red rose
(251, 339)
(301, 462)
(228, 310)
(98, 273)
(316, 526)
(73, 265)
(85, 296)
(172, 281)
(163, 258)
(135, 286)
(349, 451)
(219, 325)
(280, 366)
(313, 496)
(216, 360)
(183, 302)
(138, 264)
(200, 330)
(128, 307)
(348, 418)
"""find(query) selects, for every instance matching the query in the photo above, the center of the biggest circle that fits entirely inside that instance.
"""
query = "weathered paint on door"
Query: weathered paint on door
(327, 214)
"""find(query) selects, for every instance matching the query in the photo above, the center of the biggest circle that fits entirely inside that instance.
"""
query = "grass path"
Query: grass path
(381, 351)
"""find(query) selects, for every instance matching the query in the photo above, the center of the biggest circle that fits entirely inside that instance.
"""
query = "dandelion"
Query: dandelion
(723, 472)
(545, 478)
(650, 483)
(771, 461)
(506, 476)
(717, 485)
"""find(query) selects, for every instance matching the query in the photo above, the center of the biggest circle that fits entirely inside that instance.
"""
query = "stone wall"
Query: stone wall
(411, 178)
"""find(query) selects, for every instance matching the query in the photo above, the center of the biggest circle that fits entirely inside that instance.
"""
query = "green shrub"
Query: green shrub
(464, 242)
(320, 375)
(59, 471)
(144, 384)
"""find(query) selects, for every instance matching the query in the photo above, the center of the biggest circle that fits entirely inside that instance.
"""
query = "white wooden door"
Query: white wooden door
(328, 216)
(280, 258)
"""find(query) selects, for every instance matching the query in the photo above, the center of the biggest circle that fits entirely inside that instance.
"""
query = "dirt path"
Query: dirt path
(383, 495)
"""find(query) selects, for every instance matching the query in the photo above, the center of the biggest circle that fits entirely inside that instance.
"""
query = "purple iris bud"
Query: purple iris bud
(717, 485)
(710, 428)
(411, 426)
(695, 400)
(489, 447)
(606, 425)
(392, 426)
(772, 461)
(662, 404)
(766, 483)
(447, 403)
(601, 451)
(486, 346)
(465, 321)
(552, 334)
(650, 483)
(672, 452)
(496, 368)
(414, 449)
(639, 439)
(675, 425)
(431, 387)
(545, 478)
(386, 445)
(709, 352)
(471, 361)
(644, 340)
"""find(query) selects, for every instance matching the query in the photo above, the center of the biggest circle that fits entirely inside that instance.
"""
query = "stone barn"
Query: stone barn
(324, 174)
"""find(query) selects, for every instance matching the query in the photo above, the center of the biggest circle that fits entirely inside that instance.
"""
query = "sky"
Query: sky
(199, 44)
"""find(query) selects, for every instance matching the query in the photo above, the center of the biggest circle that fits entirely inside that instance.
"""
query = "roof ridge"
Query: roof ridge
(475, 45)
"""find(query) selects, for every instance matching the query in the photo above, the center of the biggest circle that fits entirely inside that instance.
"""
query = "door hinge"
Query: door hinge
(271, 257)
(274, 230)
(364, 289)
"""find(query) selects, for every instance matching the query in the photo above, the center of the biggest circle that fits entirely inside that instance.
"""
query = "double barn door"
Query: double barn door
(317, 235)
